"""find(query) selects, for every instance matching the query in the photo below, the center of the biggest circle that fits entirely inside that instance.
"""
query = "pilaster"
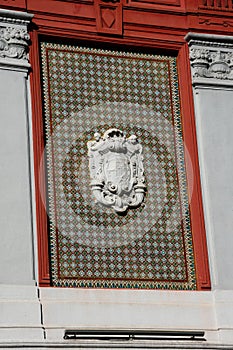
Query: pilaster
(20, 317)
(15, 184)
(211, 59)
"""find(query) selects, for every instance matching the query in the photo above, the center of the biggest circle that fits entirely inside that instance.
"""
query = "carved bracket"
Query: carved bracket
(109, 16)
(212, 64)
(14, 42)
(211, 59)
(14, 38)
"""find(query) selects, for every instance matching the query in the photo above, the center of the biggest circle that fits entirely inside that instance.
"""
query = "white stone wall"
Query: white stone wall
(34, 317)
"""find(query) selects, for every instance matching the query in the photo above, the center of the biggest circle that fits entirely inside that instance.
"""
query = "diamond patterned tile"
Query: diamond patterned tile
(88, 91)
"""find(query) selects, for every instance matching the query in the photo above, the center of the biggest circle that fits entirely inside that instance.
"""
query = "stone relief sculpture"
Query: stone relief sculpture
(116, 170)
(209, 59)
(14, 42)
(211, 64)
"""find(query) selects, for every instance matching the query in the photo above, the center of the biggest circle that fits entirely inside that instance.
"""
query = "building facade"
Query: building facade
(116, 191)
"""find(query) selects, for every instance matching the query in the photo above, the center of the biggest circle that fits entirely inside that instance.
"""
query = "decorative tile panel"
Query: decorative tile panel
(88, 92)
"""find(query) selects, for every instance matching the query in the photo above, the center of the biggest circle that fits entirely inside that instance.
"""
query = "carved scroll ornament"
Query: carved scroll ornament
(116, 170)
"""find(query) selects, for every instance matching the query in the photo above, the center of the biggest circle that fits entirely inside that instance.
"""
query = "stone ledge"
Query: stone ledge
(116, 345)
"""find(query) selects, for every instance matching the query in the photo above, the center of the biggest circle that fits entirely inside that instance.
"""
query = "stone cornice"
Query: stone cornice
(14, 39)
(15, 17)
(211, 59)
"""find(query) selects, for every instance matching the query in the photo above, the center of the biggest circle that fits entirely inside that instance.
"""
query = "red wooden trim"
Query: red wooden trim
(135, 35)
(174, 5)
(165, 15)
(13, 4)
(39, 166)
(192, 5)
(192, 168)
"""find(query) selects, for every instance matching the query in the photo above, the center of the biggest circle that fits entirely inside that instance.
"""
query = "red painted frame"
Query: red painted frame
(138, 32)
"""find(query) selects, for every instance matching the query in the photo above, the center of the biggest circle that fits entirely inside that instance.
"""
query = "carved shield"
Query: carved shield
(116, 170)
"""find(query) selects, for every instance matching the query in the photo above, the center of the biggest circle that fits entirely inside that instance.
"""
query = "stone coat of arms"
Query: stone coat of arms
(116, 170)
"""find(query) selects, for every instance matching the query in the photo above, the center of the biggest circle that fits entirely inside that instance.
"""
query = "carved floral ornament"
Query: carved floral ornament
(14, 42)
(116, 170)
(209, 63)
